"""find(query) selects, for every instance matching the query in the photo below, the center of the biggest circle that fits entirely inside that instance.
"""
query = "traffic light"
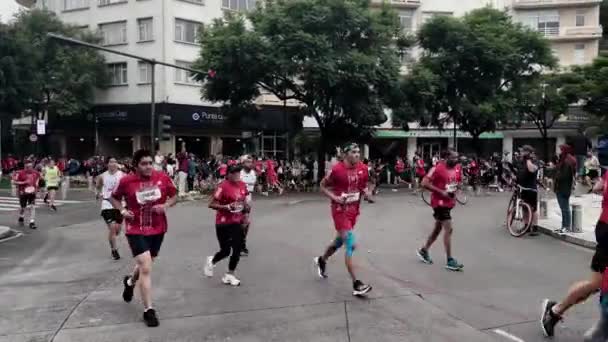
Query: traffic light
(164, 127)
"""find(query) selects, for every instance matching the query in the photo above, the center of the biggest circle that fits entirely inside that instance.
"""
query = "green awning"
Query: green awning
(430, 133)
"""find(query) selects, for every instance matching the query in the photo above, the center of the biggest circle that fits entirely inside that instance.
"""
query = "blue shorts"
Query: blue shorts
(348, 241)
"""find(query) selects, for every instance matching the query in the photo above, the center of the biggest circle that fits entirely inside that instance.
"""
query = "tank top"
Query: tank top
(110, 182)
(51, 176)
(526, 178)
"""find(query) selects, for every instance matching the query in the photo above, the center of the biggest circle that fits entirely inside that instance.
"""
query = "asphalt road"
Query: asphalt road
(59, 284)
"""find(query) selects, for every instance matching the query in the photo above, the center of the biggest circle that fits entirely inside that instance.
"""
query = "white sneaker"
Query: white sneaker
(209, 267)
(230, 279)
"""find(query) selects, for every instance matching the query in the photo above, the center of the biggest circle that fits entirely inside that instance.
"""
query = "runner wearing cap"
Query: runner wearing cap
(249, 177)
(148, 194)
(231, 201)
(344, 185)
(27, 181)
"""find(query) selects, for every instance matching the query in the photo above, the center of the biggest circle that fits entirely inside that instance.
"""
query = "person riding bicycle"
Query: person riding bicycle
(527, 178)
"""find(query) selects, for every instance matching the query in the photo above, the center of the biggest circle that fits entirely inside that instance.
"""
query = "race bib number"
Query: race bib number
(148, 195)
(352, 197)
(452, 187)
(30, 190)
(237, 208)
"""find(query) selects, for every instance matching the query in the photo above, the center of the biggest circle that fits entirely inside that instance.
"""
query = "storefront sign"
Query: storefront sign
(40, 127)
(204, 116)
(113, 116)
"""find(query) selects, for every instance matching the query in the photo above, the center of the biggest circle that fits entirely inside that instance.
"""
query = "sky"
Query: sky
(7, 9)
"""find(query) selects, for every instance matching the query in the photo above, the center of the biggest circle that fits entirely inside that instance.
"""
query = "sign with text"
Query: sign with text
(40, 127)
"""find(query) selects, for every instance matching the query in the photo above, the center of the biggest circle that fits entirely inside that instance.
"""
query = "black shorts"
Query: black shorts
(27, 199)
(111, 216)
(442, 214)
(599, 262)
(142, 243)
(531, 198)
(51, 188)
(593, 174)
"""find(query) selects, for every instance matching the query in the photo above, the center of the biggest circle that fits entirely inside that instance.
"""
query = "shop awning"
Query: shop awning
(430, 133)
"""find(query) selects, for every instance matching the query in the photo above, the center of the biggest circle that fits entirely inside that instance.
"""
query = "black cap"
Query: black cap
(234, 168)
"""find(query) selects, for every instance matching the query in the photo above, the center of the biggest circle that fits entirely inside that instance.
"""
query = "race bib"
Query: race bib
(238, 207)
(352, 197)
(29, 189)
(148, 195)
(452, 187)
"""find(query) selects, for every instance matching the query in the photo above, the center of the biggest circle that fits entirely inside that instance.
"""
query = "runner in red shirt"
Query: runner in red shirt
(399, 170)
(420, 171)
(344, 185)
(442, 180)
(148, 194)
(27, 181)
(271, 177)
(580, 291)
(232, 203)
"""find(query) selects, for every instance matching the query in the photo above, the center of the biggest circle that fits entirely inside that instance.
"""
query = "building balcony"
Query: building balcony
(572, 33)
(532, 4)
(398, 3)
(26, 3)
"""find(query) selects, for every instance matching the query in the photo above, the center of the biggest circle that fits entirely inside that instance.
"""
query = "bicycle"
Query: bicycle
(519, 211)
(460, 196)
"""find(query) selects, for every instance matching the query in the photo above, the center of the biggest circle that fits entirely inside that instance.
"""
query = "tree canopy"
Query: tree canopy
(40, 74)
(593, 88)
(338, 58)
(468, 69)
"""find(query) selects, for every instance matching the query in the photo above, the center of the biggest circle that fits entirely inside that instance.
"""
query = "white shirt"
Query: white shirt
(158, 162)
(110, 182)
(249, 178)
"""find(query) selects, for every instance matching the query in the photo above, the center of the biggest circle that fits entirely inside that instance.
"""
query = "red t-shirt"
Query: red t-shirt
(227, 193)
(420, 167)
(31, 177)
(474, 168)
(223, 169)
(182, 160)
(259, 167)
(141, 194)
(400, 166)
(604, 215)
(348, 182)
(441, 177)
(458, 169)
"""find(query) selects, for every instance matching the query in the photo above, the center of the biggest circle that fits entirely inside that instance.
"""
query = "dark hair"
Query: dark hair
(234, 168)
(139, 155)
(110, 157)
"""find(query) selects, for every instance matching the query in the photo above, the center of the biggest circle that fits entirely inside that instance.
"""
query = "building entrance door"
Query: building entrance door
(429, 150)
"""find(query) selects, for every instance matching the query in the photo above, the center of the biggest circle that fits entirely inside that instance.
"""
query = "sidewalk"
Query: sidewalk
(591, 206)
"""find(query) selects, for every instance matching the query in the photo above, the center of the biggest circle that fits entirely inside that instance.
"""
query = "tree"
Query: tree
(544, 99)
(41, 75)
(338, 58)
(592, 89)
(468, 69)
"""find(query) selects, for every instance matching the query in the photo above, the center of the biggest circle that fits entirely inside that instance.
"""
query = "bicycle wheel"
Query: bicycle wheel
(519, 224)
(461, 197)
(426, 197)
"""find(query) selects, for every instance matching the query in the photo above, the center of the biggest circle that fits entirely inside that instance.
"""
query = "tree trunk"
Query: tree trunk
(476, 144)
(546, 154)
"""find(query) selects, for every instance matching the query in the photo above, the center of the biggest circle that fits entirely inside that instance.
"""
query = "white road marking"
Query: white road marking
(19, 234)
(507, 335)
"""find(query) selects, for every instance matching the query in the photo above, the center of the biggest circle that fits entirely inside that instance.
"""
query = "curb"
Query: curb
(5, 232)
(568, 238)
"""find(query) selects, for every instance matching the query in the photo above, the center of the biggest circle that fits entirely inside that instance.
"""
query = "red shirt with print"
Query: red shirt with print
(442, 178)
(228, 193)
(400, 166)
(348, 182)
(420, 167)
(31, 177)
(141, 194)
(604, 214)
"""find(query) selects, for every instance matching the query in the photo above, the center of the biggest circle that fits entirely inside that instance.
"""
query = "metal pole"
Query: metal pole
(152, 108)
(96, 135)
(455, 137)
(0, 144)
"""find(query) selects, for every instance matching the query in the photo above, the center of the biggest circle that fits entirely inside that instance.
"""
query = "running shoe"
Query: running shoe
(46, 199)
(33, 225)
(115, 254)
(244, 251)
(548, 319)
(424, 256)
(20, 221)
(231, 279)
(360, 289)
(209, 267)
(320, 264)
(54, 208)
(127, 293)
(454, 265)
(150, 318)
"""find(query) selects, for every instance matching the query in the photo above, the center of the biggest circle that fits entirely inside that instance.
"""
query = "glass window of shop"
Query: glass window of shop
(200, 146)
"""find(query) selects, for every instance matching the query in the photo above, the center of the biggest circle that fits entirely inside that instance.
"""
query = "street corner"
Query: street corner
(6, 233)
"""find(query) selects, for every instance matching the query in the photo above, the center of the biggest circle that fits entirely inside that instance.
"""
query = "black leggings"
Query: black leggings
(230, 236)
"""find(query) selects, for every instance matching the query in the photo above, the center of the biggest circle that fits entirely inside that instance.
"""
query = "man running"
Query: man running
(106, 184)
(344, 185)
(148, 194)
(231, 201)
(249, 177)
(52, 178)
(442, 180)
(552, 312)
(27, 181)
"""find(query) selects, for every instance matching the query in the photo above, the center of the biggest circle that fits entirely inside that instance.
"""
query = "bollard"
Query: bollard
(542, 208)
(577, 218)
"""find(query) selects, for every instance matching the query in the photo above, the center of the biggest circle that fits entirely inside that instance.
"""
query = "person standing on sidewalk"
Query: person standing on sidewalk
(182, 170)
(148, 194)
(552, 312)
(581, 146)
(565, 174)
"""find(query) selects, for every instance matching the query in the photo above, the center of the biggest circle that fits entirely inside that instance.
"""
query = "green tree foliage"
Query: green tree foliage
(338, 58)
(593, 88)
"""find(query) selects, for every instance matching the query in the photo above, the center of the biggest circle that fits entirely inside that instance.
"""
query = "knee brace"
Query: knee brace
(350, 244)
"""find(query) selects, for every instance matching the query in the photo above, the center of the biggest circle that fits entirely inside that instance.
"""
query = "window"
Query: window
(111, 2)
(183, 76)
(186, 31)
(113, 33)
(117, 73)
(428, 15)
(145, 29)
(580, 17)
(238, 5)
(406, 20)
(75, 4)
(579, 54)
(545, 22)
(145, 72)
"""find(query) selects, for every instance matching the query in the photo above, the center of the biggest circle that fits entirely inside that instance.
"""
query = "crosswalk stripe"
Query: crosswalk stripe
(14, 199)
